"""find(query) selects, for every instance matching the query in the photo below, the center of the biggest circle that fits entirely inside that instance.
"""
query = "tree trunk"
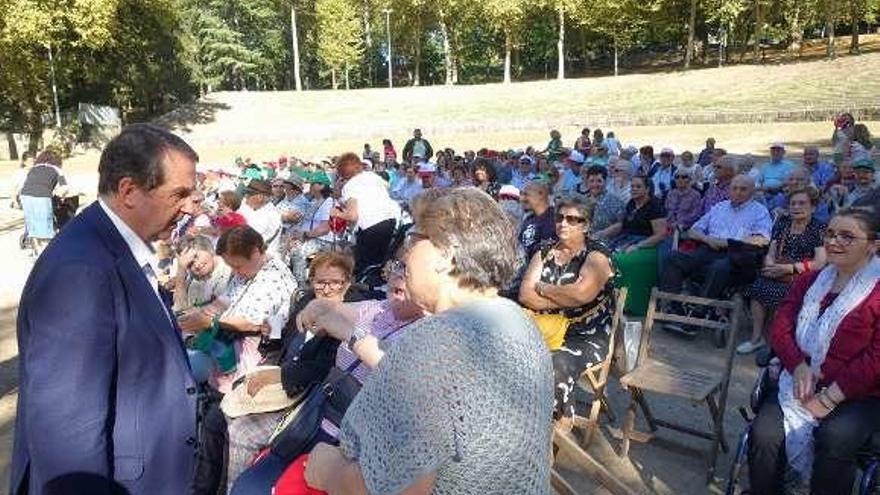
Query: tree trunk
(368, 43)
(856, 17)
(418, 58)
(454, 51)
(333, 78)
(54, 88)
(294, 37)
(616, 59)
(347, 79)
(447, 51)
(507, 50)
(759, 29)
(796, 30)
(560, 45)
(830, 48)
(692, 27)
(585, 49)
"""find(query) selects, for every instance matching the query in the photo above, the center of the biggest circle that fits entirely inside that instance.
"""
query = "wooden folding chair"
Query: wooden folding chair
(596, 376)
(697, 386)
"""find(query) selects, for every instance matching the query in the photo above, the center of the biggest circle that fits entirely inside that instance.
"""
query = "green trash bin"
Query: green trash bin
(638, 273)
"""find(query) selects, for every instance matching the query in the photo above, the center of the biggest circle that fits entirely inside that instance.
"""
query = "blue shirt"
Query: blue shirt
(773, 174)
(725, 221)
(569, 181)
(823, 174)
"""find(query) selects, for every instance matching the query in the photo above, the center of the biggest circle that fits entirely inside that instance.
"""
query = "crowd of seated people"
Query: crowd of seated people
(266, 288)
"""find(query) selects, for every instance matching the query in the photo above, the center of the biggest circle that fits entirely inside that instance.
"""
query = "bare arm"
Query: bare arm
(610, 231)
(349, 212)
(593, 276)
(658, 229)
(528, 297)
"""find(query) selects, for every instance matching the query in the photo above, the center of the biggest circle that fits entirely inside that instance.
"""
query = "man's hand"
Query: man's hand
(323, 463)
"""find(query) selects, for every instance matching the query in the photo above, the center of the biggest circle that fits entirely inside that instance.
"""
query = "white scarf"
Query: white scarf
(814, 335)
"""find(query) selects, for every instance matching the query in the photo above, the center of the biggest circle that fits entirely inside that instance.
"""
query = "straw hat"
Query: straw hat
(271, 397)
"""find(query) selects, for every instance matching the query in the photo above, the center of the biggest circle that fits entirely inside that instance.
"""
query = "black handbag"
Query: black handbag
(326, 400)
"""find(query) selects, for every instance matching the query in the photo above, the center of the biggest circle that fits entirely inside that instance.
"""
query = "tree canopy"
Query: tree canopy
(146, 57)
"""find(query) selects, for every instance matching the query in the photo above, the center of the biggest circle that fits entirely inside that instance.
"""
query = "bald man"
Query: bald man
(737, 220)
(539, 225)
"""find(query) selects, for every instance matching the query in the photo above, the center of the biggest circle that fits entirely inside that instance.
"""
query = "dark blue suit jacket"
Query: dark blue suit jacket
(107, 403)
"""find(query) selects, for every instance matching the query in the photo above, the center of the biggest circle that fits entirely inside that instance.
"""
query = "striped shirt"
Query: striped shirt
(379, 319)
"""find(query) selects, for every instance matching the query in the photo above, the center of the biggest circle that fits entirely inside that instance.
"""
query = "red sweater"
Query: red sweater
(853, 359)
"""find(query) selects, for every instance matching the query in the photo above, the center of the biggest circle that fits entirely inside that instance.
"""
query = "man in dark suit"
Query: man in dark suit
(107, 403)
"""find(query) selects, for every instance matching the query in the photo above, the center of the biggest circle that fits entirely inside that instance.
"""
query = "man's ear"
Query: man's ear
(126, 192)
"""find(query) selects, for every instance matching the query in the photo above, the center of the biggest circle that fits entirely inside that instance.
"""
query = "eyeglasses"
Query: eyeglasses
(682, 176)
(844, 239)
(570, 219)
(328, 284)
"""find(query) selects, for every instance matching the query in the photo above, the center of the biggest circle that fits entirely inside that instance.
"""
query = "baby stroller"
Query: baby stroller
(869, 459)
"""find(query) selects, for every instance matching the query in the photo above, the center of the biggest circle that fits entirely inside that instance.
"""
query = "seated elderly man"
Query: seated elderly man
(731, 235)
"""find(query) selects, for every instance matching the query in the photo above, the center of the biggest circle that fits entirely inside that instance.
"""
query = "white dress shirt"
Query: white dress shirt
(143, 253)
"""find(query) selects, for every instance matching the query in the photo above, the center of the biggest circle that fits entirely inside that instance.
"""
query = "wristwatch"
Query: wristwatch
(356, 335)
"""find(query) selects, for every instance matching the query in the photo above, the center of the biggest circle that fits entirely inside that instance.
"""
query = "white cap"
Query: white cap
(667, 150)
(576, 156)
(777, 144)
(509, 190)
(427, 168)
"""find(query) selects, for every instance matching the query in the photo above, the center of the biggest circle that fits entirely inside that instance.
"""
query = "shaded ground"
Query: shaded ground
(672, 464)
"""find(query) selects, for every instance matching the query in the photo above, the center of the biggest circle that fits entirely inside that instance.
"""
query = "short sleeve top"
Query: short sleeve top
(41, 180)
(637, 220)
(797, 247)
(371, 194)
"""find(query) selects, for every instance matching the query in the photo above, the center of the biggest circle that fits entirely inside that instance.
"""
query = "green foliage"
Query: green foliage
(340, 42)
(147, 56)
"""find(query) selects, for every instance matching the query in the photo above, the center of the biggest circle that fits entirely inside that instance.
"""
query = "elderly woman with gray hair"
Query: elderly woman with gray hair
(462, 402)
(568, 287)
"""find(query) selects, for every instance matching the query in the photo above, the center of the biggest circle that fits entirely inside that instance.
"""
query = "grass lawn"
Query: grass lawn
(263, 125)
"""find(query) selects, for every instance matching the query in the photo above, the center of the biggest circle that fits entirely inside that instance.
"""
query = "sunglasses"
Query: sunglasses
(682, 176)
(570, 219)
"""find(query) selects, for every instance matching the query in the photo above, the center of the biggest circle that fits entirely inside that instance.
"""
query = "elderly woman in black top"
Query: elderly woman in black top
(568, 287)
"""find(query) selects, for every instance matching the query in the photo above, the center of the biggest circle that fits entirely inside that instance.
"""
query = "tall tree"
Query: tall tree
(340, 37)
(692, 28)
(506, 16)
(32, 31)
(294, 42)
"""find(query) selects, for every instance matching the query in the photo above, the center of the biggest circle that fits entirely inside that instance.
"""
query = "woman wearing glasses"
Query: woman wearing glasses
(568, 287)
(796, 246)
(826, 333)
(347, 332)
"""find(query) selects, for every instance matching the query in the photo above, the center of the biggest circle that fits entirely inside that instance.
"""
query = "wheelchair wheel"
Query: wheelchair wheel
(739, 460)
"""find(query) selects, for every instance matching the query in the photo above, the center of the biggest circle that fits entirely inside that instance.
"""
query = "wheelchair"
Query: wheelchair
(868, 459)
